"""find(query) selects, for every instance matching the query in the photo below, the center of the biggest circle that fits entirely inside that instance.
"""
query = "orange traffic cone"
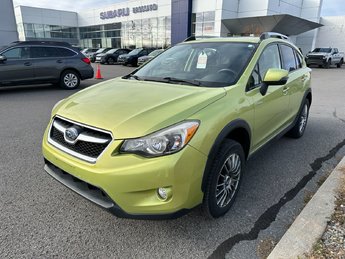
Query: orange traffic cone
(98, 73)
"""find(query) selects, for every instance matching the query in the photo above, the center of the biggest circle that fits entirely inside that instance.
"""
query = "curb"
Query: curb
(310, 224)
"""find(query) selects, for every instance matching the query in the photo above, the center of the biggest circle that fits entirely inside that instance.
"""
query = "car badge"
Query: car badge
(71, 135)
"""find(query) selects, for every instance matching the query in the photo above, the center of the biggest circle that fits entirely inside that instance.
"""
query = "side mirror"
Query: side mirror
(2, 58)
(274, 76)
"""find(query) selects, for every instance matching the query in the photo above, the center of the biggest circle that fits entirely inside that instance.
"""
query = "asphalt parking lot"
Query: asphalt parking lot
(40, 218)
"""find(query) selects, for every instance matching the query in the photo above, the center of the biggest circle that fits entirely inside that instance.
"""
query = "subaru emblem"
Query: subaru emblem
(71, 134)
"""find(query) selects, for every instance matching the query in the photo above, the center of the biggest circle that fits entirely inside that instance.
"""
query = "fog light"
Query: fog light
(163, 194)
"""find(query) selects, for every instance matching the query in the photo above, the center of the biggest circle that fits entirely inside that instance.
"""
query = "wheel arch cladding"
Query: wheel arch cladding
(237, 130)
(309, 97)
(70, 69)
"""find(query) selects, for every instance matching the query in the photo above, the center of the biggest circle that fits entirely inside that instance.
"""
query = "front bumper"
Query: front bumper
(130, 182)
(122, 61)
(316, 61)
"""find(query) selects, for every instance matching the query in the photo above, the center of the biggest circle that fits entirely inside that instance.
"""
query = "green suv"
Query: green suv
(177, 132)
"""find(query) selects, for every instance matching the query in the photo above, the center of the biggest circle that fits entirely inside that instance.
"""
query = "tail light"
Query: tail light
(86, 60)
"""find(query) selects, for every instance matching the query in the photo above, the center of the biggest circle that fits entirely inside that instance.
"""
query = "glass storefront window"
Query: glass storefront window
(149, 32)
(44, 31)
(203, 23)
(209, 16)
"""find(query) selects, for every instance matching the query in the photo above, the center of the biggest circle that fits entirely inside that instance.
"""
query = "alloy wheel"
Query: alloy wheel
(228, 180)
(303, 119)
(70, 80)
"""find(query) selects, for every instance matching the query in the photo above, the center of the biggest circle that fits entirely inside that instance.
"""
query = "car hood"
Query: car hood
(101, 55)
(144, 58)
(131, 109)
(317, 54)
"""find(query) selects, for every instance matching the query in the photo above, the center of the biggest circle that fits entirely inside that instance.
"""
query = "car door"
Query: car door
(335, 56)
(47, 62)
(118, 53)
(269, 110)
(18, 68)
(298, 78)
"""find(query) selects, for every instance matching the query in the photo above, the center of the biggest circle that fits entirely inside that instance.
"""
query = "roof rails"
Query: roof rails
(263, 36)
(55, 43)
(191, 38)
(267, 35)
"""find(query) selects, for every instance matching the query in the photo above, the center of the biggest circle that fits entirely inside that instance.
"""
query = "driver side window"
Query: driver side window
(269, 58)
(17, 53)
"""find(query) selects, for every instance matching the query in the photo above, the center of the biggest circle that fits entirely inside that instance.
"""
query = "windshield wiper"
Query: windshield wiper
(132, 76)
(191, 82)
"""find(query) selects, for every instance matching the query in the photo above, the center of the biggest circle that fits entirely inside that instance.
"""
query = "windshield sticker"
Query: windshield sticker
(202, 61)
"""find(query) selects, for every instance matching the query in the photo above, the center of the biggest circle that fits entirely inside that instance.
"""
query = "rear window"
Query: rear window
(44, 52)
(66, 52)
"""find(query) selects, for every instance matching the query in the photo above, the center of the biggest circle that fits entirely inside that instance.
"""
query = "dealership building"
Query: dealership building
(8, 28)
(160, 23)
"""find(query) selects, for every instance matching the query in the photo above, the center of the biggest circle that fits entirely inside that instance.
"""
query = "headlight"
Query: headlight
(163, 142)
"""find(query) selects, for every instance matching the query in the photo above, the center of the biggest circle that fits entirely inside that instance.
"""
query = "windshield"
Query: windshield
(3, 47)
(326, 50)
(156, 52)
(135, 51)
(99, 51)
(111, 51)
(214, 64)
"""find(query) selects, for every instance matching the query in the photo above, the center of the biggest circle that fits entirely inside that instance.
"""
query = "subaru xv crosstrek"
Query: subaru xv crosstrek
(177, 132)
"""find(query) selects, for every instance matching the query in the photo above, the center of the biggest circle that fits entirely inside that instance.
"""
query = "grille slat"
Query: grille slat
(85, 149)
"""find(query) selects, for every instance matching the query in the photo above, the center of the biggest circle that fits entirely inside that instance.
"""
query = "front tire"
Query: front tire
(299, 128)
(340, 63)
(224, 179)
(69, 80)
(111, 61)
(328, 64)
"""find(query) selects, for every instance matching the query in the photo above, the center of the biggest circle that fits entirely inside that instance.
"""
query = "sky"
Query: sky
(329, 8)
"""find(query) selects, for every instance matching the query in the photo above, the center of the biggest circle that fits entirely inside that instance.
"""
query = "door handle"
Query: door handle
(304, 77)
(285, 90)
(27, 64)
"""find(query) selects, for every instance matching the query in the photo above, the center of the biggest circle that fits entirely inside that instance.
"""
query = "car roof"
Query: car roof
(44, 43)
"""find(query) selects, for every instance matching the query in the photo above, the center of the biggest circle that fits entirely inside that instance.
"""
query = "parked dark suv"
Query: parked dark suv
(36, 62)
(132, 57)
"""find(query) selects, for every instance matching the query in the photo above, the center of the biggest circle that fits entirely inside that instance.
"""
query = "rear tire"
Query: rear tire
(69, 80)
(224, 179)
(299, 128)
(340, 63)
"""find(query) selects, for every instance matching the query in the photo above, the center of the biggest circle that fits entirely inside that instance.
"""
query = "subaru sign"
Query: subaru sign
(126, 11)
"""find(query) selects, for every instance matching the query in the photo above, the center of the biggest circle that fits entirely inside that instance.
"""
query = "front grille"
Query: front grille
(315, 57)
(89, 144)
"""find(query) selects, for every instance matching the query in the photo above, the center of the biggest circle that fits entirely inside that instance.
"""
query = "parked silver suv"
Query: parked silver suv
(37, 62)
